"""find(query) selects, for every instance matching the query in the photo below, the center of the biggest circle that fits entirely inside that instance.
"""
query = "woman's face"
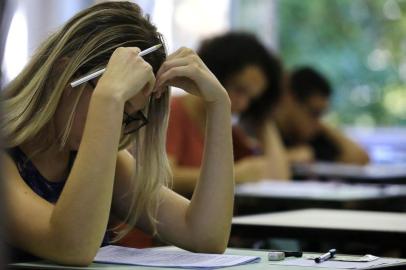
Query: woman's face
(132, 106)
(305, 116)
(245, 86)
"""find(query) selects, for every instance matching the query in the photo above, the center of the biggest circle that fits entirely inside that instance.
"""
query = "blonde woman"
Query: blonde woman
(66, 170)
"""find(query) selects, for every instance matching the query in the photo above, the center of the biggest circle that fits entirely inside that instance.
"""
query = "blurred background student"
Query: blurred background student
(298, 115)
(247, 71)
(292, 125)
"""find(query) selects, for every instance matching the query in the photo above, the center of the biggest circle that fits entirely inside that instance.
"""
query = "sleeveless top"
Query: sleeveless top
(47, 190)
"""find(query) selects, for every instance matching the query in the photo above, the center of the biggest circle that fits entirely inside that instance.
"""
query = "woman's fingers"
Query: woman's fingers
(186, 70)
(135, 50)
(171, 64)
(183, 57)
(182, 77)
(182, 71)
(127, 74)
(179, 52)
(150, 85)
(150, 77)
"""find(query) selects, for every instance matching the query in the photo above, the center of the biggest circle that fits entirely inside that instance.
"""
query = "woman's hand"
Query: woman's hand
(126, 75)
(301, 154)
(251, 169)
(184, 69)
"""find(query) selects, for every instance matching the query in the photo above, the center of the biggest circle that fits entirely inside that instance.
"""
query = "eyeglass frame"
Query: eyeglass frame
(139, 115)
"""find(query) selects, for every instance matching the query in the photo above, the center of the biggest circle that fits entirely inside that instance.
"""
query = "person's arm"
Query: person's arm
(184, 178)
(273, 164)
(278, 166)
(71, 231)
(300, 154)
(350, 151)
(203, 223)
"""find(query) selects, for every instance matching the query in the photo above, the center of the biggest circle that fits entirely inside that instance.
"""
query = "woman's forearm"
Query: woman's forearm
(275, 152)
(184, 179)
(350, 152)
(211, 207)
(80, 217)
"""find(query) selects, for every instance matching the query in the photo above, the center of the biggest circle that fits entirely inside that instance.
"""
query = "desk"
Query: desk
(270, 196)
(343, 226)
(263, 264)
(372, 173)
(383, 144)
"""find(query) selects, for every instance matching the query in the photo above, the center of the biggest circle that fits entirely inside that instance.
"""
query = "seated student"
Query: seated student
(257, 123)
(298, 117)
(240, 62)
(65, 169)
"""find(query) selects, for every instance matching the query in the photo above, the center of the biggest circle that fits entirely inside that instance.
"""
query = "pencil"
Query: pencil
(101, 71)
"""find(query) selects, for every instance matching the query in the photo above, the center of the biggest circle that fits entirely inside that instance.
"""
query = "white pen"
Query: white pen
(101, 71)
(330, 254)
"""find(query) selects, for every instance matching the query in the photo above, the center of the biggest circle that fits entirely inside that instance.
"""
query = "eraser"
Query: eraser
(276, 255)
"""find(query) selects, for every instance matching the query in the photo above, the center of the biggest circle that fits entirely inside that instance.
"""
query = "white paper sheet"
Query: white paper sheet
(164, 258)
(349, 258)
(337, 264)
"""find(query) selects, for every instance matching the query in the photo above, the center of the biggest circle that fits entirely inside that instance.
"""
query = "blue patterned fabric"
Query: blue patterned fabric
(47, 190)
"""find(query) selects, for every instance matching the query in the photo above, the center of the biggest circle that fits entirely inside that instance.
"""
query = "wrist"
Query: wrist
(108, 100)
(106, 90)
(222, 100)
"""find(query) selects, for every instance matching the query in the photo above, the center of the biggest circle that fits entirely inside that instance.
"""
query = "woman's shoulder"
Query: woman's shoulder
(10, 157)
(9, 165)
(125, 161)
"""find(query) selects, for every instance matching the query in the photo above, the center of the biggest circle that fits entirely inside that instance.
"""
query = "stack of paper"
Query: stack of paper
(166, 258)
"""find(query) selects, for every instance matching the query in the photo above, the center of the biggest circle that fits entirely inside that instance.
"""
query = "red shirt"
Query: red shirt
(185, 141)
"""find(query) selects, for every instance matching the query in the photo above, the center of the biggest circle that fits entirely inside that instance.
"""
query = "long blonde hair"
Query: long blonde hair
(87, 40)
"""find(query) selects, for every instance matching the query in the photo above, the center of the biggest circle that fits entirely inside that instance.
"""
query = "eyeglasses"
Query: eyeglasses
(131, 123)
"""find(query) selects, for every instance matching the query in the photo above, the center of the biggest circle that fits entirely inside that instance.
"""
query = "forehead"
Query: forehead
(252, 78)
(318, 102)
(252, 72)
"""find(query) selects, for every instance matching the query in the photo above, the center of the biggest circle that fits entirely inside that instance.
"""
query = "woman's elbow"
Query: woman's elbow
(212, 249)
(218, 249)
(214, 246)
(361, 158)
(72, 255)
(365, 158)
(77, 261)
